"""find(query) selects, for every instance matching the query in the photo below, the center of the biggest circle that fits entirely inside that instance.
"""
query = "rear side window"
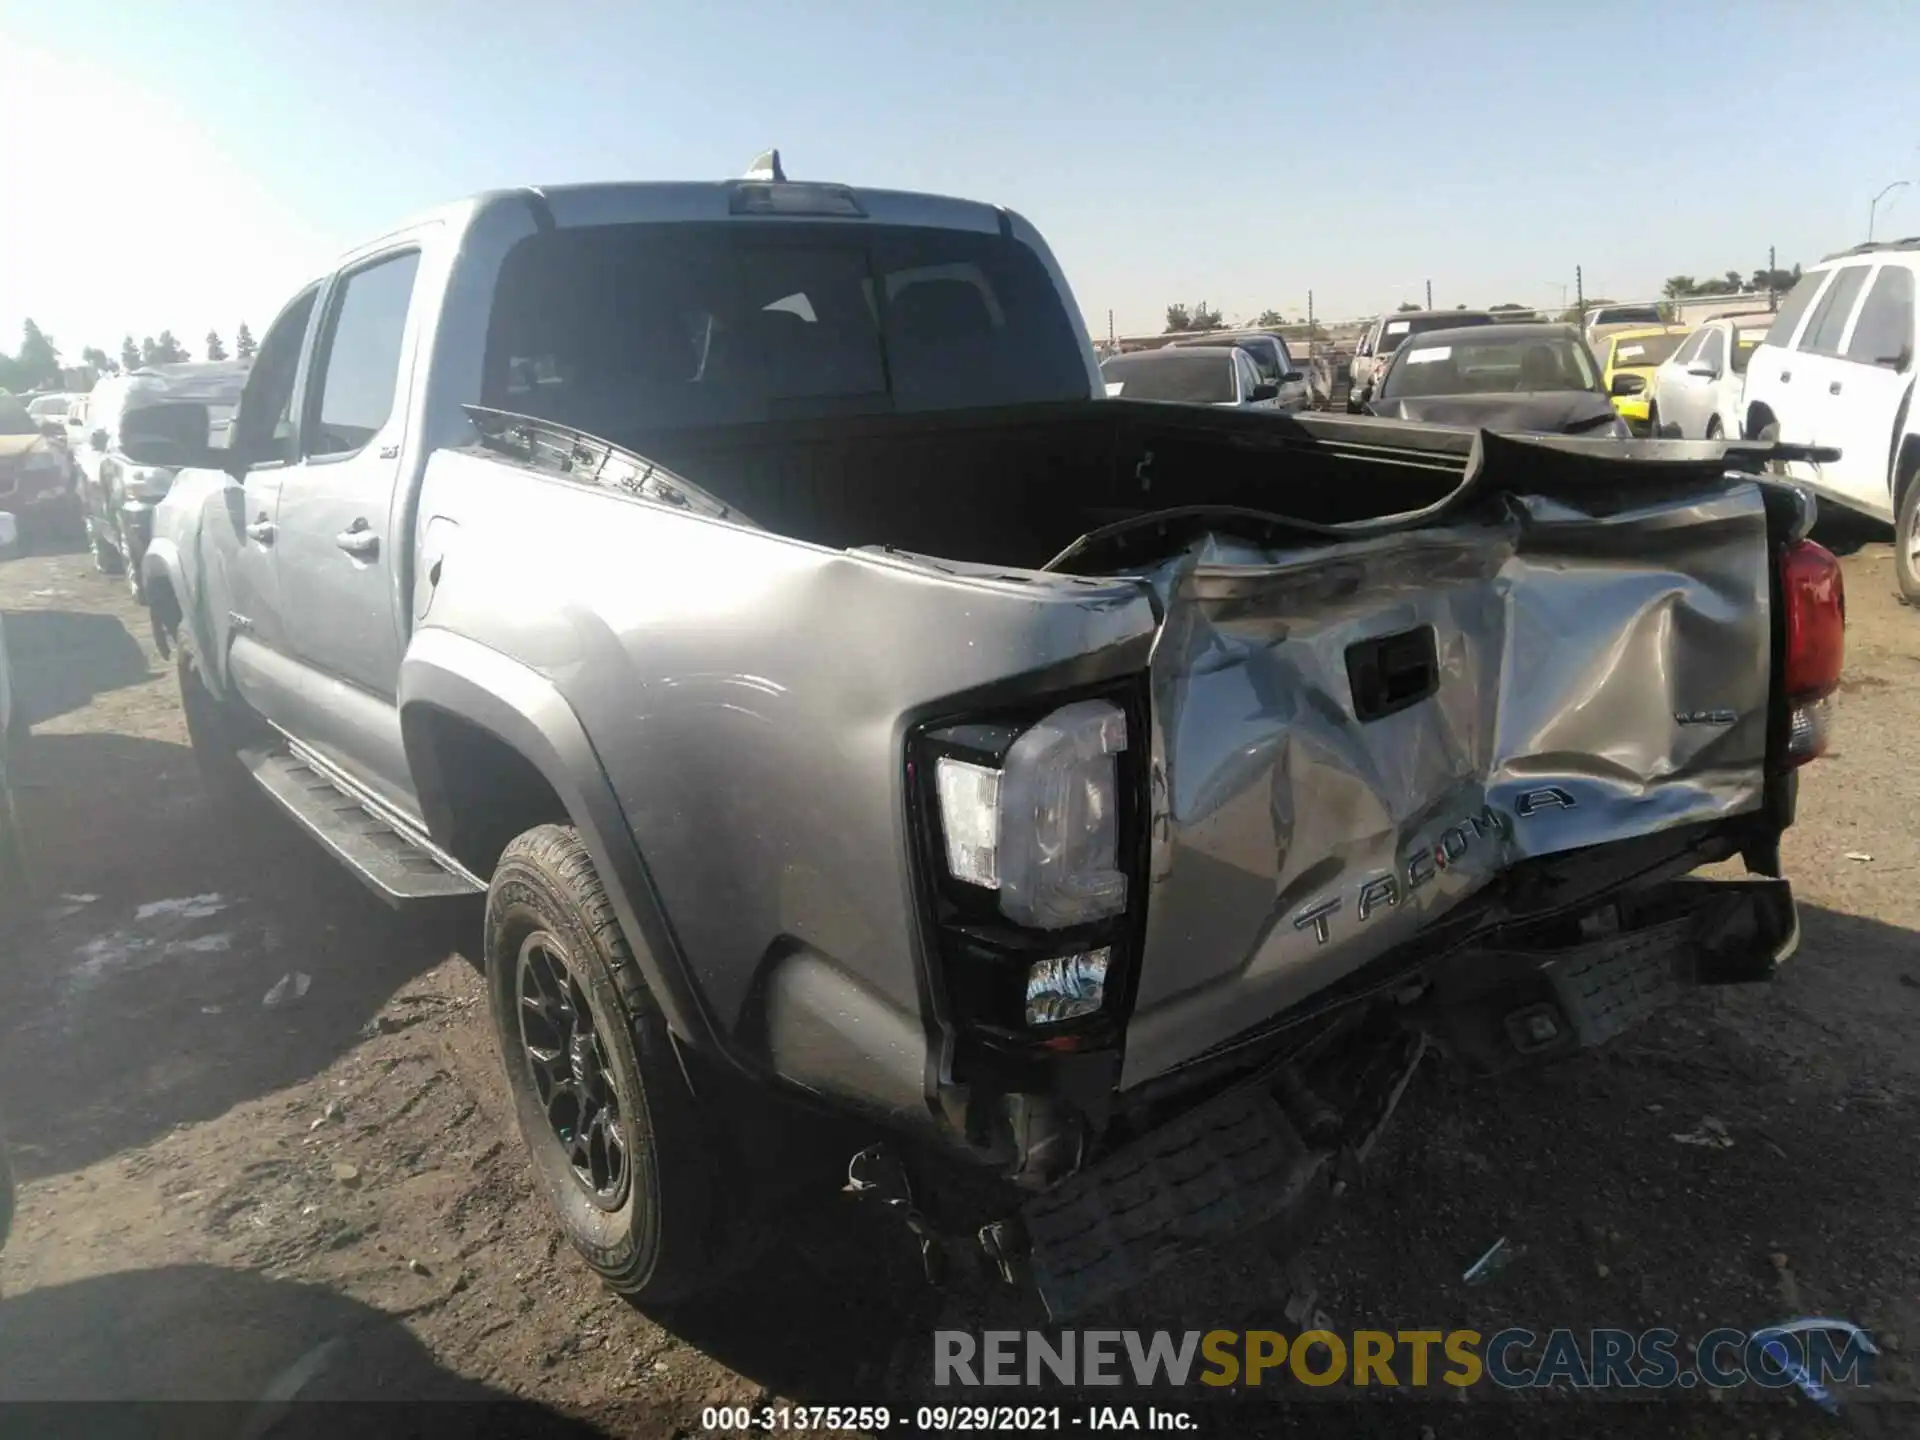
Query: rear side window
(622, 329)
(1830, 316)
(1884, 333)
(361, 364)
(1780, 333)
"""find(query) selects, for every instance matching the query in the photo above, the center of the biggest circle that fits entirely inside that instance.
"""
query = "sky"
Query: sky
(188, 164)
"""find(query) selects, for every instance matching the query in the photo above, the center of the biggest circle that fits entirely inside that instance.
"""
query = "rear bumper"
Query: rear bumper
(1261, 1151)
(136, 529)
(1571, 987)
(41, 486)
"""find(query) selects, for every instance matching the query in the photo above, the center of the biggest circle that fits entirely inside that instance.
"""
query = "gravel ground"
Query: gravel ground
(215, 1191)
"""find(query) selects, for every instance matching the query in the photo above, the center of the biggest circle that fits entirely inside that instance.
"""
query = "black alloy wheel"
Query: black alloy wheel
(568, 1066)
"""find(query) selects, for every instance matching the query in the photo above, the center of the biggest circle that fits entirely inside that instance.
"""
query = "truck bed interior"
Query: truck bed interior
(1016, 487)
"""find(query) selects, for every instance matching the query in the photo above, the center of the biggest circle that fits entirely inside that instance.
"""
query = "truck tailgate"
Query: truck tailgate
(1350, 740)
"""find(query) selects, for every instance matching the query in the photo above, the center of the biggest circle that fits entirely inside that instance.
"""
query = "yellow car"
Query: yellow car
(1627, 365)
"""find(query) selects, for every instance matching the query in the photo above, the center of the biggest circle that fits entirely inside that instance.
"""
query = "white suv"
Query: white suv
(1837, 368)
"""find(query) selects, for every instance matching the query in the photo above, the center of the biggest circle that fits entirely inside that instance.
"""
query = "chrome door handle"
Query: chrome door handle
(261, 530)
(358, 541)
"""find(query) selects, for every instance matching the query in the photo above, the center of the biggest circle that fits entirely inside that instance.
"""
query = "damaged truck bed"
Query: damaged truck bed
(848, 713)
(1437, 775)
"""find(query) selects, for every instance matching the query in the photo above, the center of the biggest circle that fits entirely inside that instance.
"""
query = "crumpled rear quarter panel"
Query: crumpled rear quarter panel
(1293, 842)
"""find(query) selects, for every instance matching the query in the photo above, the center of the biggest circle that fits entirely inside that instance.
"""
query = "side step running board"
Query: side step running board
(390, 856)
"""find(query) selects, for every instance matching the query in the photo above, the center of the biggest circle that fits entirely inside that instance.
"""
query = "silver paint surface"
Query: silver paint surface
(1567, 646)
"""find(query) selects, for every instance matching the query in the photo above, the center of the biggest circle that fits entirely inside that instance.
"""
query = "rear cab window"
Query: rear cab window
(622, 329)
(1188, 376)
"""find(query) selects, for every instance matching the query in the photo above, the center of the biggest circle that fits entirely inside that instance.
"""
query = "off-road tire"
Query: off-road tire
(1769, 434)
(663, 1243)
(136, 583)
(216, 735)
(1906, 535)
(106, 559)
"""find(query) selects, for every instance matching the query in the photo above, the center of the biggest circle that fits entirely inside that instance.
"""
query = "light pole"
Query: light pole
(1561, 286)
(1876, 205)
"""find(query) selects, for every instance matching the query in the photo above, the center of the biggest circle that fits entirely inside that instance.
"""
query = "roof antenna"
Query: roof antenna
(766, 166)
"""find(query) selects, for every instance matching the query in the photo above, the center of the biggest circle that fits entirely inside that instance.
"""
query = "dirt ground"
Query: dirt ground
(227, 1201)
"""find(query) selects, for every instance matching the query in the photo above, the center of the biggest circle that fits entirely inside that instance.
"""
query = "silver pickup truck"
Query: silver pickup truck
(849, 712)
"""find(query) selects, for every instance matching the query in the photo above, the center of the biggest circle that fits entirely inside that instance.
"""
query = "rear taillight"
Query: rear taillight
(1813, 599)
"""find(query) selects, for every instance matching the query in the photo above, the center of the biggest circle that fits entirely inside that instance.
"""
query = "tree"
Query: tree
(1178, 318)
(169, 351)
(1734, 282)
(215, 350)
(1680, 285)
(38, 362)
(1509, 305)
(1775, 279)
(129, 354)
(1407, 305)
(1205, 319)
(98, 361)
(243, 346)
(1270, 318)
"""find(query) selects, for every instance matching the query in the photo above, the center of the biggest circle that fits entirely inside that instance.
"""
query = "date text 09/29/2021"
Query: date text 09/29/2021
(957, 1419)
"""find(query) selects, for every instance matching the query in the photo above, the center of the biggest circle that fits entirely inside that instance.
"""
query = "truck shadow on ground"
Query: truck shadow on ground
(59, 660)
(1844, 532)
(243, 1346)
(136, 982)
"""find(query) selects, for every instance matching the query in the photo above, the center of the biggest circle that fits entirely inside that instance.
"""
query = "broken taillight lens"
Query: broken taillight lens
(1813, 598)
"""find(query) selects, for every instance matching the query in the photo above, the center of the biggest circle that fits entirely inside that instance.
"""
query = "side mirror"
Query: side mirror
(1899, 360)
(97, 440)
(1627, 385)
(1265, 390)
(172, 437)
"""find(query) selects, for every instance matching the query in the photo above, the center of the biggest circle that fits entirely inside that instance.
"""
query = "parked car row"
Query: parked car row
(117, 494)
(36, 474)
(1832, 370)
(1245, 369)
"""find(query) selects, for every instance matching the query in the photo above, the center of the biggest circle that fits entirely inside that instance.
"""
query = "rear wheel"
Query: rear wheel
(216, 733)
(136, 586)
(1906, 544)
(106, 559)
(628, 1162)
(1714, 429)
(1770, 435)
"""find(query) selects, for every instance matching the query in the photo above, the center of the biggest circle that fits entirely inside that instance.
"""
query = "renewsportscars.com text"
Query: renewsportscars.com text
(1601, 1359)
